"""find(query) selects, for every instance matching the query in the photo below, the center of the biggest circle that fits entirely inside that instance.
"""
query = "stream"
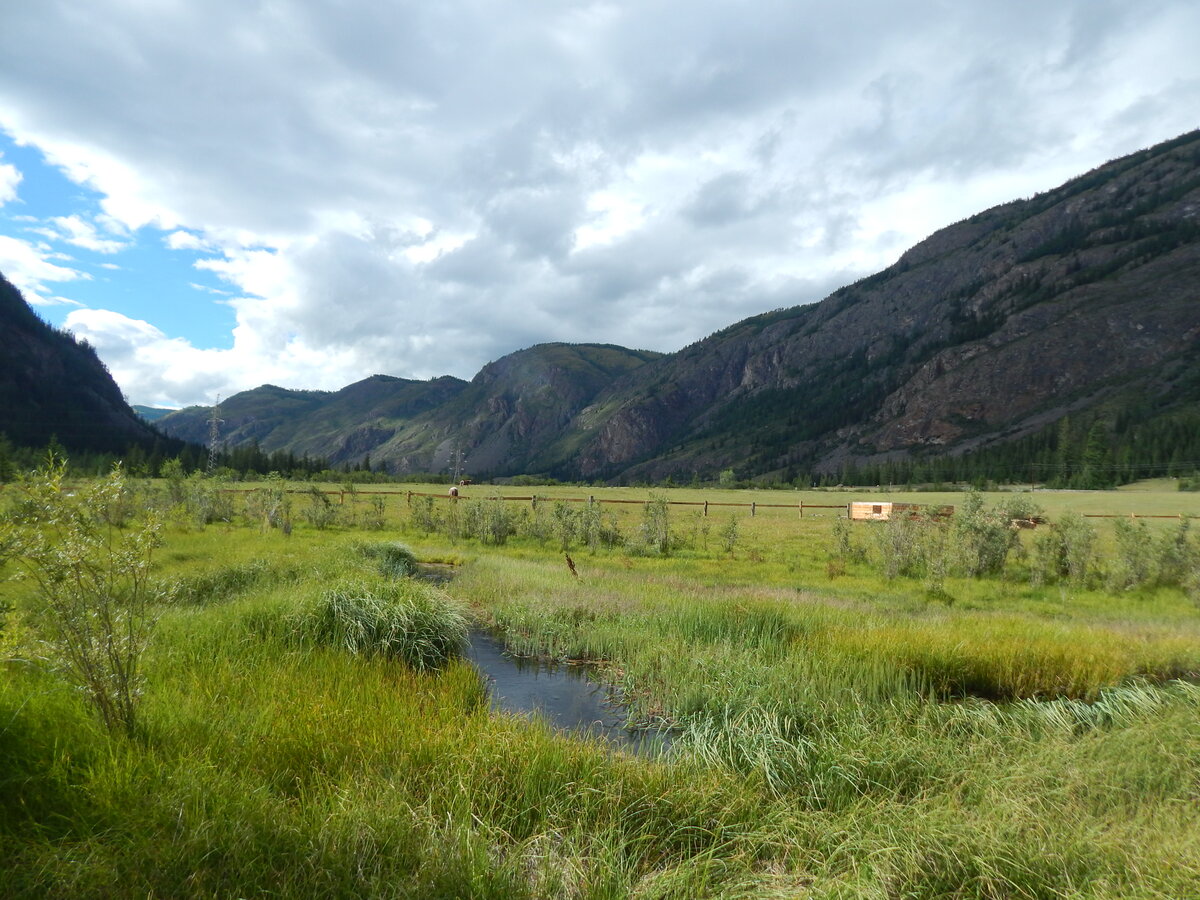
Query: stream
(560, 694)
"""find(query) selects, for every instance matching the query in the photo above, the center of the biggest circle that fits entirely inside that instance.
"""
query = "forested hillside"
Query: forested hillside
(53, 386)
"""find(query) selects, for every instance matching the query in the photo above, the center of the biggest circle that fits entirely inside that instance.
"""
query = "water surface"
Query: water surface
(562, 695)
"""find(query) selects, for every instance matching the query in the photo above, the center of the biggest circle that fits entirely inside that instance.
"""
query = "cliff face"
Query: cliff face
(987, 330)
(54, 386)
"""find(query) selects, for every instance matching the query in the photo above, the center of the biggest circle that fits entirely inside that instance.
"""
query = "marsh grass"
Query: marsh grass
(393, 559)
(832, 740)
(403, 620)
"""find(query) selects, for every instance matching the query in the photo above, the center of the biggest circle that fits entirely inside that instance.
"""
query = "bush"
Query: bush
(270, 505)
(1134, 564)
(654, 535)
(1176, 552)
(983, 537)
(375, 518)
(423, 514)
(320, 513)
(1065, 550)
(402, 620)
(489, 521)
(900, 543)
(844, 548)
(729, 534)
(91, 576)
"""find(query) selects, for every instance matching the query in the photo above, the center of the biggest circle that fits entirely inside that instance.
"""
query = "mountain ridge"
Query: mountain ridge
(1082, 298)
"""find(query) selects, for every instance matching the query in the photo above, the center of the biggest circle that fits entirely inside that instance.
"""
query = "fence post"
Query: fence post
(753, 506)
(802, 509)
(342, 501)
(706, 509)
(533, 502)
(409, 498)
(591, 500)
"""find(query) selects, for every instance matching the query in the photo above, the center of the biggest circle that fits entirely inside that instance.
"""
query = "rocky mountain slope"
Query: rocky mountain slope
(508, 418)
(52, 385)
(986, 331)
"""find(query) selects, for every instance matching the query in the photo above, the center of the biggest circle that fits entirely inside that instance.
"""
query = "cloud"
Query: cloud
(419, 188)
(185, 240)
(79, 233)
(28, 267)
(9, 179)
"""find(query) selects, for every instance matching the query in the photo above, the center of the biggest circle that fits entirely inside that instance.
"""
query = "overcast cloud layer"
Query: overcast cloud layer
(415, 189)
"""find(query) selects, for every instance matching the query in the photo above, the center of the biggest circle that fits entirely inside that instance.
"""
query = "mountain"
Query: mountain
(341, 426)
(1082, 302)
(986, 331)
(52, 385)
(507, 417)
(151, 413)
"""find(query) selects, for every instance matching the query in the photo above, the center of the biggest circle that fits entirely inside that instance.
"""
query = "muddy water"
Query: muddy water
(562, 695)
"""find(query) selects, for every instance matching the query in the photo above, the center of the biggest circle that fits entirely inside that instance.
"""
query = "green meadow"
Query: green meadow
(913, 709)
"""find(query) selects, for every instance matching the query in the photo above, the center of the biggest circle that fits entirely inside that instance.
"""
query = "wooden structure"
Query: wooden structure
(872, 511)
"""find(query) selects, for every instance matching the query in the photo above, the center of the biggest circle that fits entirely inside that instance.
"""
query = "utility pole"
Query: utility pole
(214, 435)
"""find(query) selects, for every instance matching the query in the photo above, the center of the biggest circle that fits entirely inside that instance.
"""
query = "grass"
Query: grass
(844, 737)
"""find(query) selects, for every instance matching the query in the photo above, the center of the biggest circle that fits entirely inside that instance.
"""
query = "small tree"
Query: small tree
(92, 586)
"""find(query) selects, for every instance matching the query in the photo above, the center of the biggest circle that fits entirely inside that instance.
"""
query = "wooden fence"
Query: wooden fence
(800, 507)
(535, 499)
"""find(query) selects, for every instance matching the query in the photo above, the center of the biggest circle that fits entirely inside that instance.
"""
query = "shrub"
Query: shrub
(1065, 550)
(91, 582)
(270, 505)
(729, 534)
(844, 547)
(320, 512)
(205, 500)
(900, 544)
(1134, 564)
(1175, 553)
(402, 620)
(375, 517)
(983, 537)
(654, 535)
(563, 524)
(489, 521)
(423, 514)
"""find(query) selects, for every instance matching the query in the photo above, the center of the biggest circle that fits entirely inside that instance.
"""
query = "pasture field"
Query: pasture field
(840, 729)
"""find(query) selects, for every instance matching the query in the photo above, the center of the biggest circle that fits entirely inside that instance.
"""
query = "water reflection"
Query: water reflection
(562, 695)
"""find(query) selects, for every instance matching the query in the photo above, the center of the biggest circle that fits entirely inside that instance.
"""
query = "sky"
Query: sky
(225, 194)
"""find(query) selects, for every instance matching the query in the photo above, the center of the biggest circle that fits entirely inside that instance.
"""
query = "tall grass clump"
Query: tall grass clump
(226, 582)
(402, 620)
(393, 559)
